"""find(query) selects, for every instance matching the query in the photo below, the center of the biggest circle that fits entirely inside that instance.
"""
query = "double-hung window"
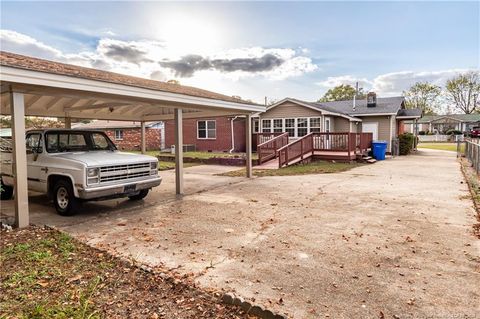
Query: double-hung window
(206, 129)
(118, 135)
(256, 125)
(277, 125)
(290, 127)
(315, 124)
(266, 126)
(302, 127)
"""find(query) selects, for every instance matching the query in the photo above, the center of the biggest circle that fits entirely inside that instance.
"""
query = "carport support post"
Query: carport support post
(143, 145)
(19, 159)
(178, 151)
(68, 122)
(248, 144)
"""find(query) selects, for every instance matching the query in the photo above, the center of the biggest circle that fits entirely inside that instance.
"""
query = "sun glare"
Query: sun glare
(190, 34)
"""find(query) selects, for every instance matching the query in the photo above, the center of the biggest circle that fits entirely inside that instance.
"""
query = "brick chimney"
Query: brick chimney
(371, 99)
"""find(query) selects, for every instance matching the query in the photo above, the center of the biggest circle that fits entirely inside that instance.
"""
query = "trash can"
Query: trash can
(379, 150)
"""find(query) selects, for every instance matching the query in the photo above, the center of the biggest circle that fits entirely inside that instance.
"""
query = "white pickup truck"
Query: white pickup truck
(76, 165)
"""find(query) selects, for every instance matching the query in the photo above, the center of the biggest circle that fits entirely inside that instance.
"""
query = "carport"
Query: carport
(35, 87)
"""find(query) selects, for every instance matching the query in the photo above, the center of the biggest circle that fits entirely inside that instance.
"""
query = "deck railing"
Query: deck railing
(350, 143)
(268, 149)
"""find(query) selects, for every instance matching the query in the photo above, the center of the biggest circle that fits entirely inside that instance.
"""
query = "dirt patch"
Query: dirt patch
(47, 274)
(474, 186)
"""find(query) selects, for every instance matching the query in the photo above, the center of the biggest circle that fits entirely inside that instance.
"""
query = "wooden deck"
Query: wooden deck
(317, 155)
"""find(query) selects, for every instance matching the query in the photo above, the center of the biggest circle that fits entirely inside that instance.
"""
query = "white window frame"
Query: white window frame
(121, 135)
(319, 124)
(295, 127)
(257, 128)
(206, 130)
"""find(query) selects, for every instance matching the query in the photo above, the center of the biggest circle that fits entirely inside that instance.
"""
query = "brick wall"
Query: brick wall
(223, 140)
(132, 138)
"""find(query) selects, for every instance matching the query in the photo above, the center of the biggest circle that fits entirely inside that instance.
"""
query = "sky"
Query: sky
(255, 49)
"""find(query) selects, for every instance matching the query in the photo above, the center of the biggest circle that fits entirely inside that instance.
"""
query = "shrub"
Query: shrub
(406, 143)
(454, 132)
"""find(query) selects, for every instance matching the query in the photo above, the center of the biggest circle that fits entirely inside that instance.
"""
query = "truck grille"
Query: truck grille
(123, 172)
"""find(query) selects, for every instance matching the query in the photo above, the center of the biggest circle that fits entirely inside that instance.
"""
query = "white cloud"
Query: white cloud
(393, 84)
(333, 81)
(159, 60)
(24, 44)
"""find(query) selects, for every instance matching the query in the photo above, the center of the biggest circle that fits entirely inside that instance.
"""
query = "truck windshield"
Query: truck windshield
(58, 142)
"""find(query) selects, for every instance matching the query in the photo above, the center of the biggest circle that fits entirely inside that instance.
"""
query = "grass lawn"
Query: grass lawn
(317, 167)
(440, 146)
(47, 274)
(200, 155)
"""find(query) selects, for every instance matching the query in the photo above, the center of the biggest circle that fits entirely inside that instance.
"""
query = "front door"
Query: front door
(371, 127)
(328, 129)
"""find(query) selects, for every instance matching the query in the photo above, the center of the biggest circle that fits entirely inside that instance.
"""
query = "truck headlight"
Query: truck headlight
(153, 168)
(92, 172)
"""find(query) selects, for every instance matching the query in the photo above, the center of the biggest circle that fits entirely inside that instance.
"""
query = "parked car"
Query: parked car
(475, 131)
(71, 166)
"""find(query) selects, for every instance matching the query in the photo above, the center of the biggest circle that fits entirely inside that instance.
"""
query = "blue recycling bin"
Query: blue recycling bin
(379, 148)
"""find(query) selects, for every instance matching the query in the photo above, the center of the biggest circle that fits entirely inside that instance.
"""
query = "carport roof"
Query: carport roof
(41, 65)
(63, 90)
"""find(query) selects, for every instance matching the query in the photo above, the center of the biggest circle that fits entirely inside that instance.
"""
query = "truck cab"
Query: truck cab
(71, 166)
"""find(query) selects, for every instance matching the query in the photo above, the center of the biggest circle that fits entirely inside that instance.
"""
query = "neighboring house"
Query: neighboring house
(127, 135)
(383, 117)
(217, 134)
(442, 123)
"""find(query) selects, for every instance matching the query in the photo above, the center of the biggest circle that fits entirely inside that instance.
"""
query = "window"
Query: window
(206, 129)
(256, 125)
(34, 143)
(118, 135)
(277, 125)
(290, 127)
(100, 142)
(66, 142)
(266, 126)
(302, 127)
(315, 124)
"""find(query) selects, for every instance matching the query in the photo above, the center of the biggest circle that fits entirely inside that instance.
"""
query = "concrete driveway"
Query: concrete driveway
(383, 240)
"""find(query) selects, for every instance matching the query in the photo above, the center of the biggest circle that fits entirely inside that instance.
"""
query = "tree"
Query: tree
(342, 92)
(423, 95)
(464, 91)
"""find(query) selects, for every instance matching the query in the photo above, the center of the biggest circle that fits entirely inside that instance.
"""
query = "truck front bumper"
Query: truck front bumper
(117, 190)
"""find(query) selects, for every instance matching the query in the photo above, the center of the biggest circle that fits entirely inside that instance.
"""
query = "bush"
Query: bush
(405, 141)
(454, 132)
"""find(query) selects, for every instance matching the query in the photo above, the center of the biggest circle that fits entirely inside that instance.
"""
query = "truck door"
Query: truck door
(36, 172)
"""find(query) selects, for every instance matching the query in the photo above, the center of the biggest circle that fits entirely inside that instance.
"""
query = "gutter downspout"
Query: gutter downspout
(233, 136)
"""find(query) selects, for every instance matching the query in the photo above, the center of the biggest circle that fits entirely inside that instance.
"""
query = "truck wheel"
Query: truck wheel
(6, 192)
(139, 196)
(64, 199)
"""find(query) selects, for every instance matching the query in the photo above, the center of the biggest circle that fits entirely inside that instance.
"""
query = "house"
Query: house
(216, 134)
(127, 135)
(383, 117)
(442, 123)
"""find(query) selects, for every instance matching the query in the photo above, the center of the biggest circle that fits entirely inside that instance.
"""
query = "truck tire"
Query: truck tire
(6, 193)
(64, 199)
(139, 196)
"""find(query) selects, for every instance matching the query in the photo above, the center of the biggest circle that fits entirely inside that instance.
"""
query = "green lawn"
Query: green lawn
(318, 167)
(200, 155)
(440, 146)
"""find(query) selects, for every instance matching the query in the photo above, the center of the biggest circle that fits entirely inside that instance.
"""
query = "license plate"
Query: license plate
(129, 188)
